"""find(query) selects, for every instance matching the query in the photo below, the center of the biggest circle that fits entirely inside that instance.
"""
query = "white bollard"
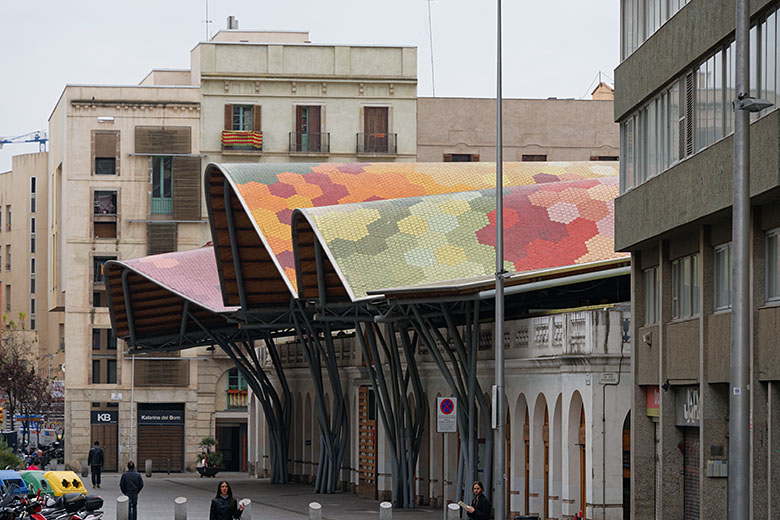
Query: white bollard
(315, 511)
(84, 469)
(385, 511)
(247, 514)
(180, 508)
(453, 511)
(122, 503)
(148, 467)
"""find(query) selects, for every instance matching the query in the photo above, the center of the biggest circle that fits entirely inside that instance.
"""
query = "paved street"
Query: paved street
(268, 501)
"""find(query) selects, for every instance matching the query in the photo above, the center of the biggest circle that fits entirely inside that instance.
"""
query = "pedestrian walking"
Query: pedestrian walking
(35, 464)
(224, 506)
(131, 484)
(480, 506)
(95, 462)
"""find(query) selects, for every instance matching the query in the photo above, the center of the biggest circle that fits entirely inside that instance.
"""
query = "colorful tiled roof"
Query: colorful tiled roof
(428, 239)
(190, 274)
(270, 192)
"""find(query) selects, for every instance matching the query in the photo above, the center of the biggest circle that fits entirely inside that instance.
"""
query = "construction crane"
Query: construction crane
(38, 136)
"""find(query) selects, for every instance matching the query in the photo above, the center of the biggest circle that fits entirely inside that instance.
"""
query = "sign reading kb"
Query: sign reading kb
(104, 417)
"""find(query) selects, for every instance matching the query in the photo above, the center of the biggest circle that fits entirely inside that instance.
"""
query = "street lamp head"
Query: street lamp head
(751, 104)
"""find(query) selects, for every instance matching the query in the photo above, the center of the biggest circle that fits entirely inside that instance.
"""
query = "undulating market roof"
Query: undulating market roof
(435, 238)
(259, 200)
(158, 288)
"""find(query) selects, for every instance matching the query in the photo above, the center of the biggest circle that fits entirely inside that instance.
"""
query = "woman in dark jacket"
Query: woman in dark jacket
(224, 506)
(480, 506)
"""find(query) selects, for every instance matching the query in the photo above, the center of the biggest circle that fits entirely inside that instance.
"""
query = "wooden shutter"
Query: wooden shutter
(447, 157)
(228, 117)
(163, 139)
(105, 144)
(186, 188)
(160, 238)
(162, 443)
(257, 119)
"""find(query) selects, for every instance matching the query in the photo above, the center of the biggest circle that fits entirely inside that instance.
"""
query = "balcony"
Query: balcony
(236, 398)
(240, 140)
(376, 144)
(309, 144)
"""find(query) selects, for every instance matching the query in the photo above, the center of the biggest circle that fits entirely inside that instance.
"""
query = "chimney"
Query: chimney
(232, 23)
(603, 92)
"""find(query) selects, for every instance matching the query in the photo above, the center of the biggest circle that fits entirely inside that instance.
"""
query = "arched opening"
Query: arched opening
(508, 481)
(518, 502)
(297, 445)
(540, 450)
(581, 443)
(307, 440)
(527, 456)
(557, 457)
(575, 490)
(627, 467)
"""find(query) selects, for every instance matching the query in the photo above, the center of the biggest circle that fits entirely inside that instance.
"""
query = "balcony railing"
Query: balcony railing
(240, 140)
(376, 143)
(309, 143)
(236, 398)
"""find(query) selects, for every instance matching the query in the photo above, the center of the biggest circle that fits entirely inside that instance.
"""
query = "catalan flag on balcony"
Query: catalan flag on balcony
(237, 137)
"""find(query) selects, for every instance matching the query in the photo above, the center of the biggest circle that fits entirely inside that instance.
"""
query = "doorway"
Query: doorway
(231, 443)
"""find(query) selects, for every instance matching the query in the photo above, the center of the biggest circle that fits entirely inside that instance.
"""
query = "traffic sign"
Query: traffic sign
(446, 414)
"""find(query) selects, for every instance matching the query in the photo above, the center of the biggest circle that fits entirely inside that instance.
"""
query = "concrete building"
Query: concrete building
(124, 171)
(464, 129)
(674, 89)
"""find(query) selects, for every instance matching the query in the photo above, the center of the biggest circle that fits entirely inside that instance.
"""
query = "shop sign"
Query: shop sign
(104, 417)
(653, 406)
(687, 409)
(161, 417)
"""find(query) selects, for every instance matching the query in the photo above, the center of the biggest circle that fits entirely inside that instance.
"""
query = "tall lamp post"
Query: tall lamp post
(739, 403)
(499, 469)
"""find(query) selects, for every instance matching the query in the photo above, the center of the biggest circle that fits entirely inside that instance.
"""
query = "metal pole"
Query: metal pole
(430, 36)
(132, 404)
(499, 470)
(739, 409)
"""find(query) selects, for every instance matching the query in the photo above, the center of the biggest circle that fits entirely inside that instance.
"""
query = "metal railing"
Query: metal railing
(309, 143)
(376, 143)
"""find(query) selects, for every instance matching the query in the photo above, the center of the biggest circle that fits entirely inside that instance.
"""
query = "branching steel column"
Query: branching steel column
(128, 306)
(234, 245)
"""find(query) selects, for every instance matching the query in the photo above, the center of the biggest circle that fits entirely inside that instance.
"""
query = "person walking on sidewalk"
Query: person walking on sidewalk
(95, 461)
(480, 506)
(131, 484)
(224, 506)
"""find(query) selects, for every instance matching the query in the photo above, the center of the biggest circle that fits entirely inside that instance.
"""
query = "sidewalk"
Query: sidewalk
(277, 502)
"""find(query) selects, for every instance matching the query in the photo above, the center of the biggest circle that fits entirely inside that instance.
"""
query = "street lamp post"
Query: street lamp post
(499, 470)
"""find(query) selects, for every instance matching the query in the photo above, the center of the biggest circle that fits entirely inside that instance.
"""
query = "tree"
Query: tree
(23, 389)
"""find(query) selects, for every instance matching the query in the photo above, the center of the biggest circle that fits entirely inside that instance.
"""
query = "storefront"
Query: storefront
(161, 436)
(687, 415)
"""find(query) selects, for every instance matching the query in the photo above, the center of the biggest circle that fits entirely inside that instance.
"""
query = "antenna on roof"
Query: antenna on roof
(430, 36)
(207, 21)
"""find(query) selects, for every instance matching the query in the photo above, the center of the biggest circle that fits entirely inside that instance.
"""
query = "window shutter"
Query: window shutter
(447, 157)
(689, 88)
(257, 118)
(186, 188)
(163, 139)
(160, 238)
(475, 157)
(228, 117)
(105, 145)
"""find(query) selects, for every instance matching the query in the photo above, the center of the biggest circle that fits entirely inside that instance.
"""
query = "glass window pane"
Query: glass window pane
(773, 265)
(676, 289)
(695, 307)
(167, 176)
(769, 61)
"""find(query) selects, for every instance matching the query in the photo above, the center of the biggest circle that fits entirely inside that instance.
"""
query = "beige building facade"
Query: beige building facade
(464, 129)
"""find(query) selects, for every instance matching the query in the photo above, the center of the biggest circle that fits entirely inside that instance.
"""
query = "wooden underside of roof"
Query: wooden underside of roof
(157, 312)
(262, 280)
(305, 241)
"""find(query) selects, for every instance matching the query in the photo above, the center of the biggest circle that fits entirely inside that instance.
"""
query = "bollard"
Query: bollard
(247, 514)
(315, 511)
(122, 504)
(84, 469)
(169, 465)
(180, 508)
(148, 467)
(453, 511)
(385, 511)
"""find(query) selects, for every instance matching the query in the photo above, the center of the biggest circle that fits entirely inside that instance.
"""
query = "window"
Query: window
(722, 268)
(307, 130)
(105, 153)
(32, 194)
(8, 257)
(104, 360)
(376, 127)
(642, 18)
(162, 185)
(111, 371)
(95, 339)
(32, 265)
(461, 157)
(97, 267)
(651, 295)
(236, 389)
(773, 264)
(95, 371)
(685, 287)
(32, 307)
(32, 234)
(604, 158)
(7, 298)
(8, 218)
(98, 289)
(534, 157)
(32, 284)
(243, 118)
(104, 213)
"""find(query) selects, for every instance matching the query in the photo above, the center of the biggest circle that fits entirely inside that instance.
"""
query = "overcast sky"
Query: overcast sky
(552, 48)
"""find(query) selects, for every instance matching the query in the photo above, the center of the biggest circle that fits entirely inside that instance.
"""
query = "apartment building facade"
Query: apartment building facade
(464, 129)
(276, 97)
(674, 89)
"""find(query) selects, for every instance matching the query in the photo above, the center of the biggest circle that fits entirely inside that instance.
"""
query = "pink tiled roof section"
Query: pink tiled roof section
(190, 274)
